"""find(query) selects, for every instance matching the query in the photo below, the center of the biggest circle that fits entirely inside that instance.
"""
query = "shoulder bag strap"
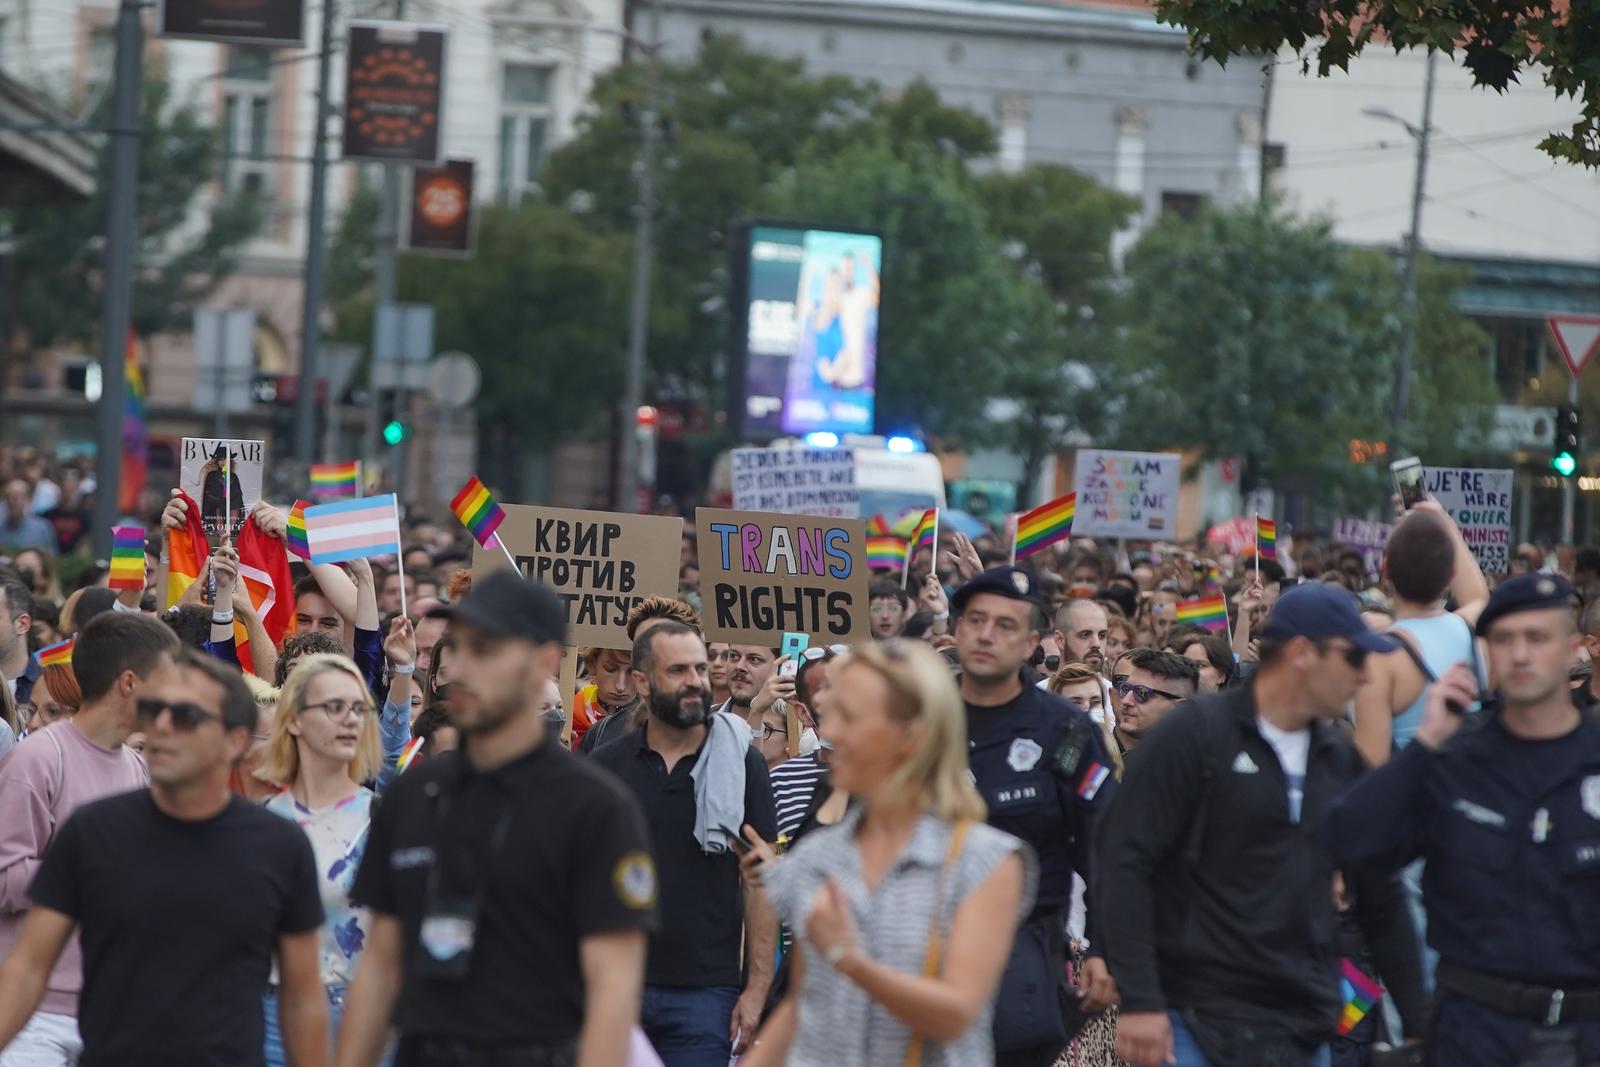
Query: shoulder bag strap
(934, 958)
(61, 779)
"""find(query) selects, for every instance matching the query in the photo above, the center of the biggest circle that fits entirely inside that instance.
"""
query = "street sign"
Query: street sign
(1578, 337)
(224, 359)
(453, 380)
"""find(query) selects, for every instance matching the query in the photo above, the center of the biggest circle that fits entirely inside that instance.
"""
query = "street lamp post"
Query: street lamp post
(643, 251)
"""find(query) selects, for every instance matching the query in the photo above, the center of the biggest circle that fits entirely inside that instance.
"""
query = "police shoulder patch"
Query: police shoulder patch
(635, 880)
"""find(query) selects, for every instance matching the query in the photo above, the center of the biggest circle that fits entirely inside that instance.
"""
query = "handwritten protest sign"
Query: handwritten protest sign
(599, 563)
(1480, 502)
(796, 481)
(1363, 536)
(763, 576)
(1126, 494)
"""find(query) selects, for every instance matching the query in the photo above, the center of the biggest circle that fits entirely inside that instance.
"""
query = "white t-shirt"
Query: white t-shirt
(1293, 748)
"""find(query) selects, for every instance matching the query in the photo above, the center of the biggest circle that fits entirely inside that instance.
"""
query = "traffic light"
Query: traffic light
(1564, 450)
(396, 431)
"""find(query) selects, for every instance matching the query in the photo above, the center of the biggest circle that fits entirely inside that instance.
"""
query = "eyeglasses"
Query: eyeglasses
(185, 716)
(338, 709)
(768, 731)
(1141, 693)
(1353, 655)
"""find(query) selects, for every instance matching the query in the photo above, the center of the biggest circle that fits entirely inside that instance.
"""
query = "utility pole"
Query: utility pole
(643, 251)
(1408, 310)
(1569, 484)
(305, 430)
(116, 312)
(386, 252)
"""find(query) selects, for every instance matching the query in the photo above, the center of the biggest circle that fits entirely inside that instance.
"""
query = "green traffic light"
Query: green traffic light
(1564, 464)
(395, 432)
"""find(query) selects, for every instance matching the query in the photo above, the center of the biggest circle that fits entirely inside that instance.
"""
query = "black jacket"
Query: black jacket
(1212, 898)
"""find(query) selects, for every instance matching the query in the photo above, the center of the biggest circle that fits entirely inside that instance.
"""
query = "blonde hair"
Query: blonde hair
(922, 691)
(280, 765)
(262, 690)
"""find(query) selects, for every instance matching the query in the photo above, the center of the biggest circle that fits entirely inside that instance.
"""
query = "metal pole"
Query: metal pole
(305, 431)
(385, 254)
(1569, 485)
(639, 304)
(1408, 308)
(116, 311)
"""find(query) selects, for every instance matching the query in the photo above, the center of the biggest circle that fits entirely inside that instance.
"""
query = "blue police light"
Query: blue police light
(822, 439)
(904, 445)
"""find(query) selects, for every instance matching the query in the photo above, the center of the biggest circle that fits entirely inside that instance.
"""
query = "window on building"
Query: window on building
(524, 125)
(247, 116)
(1516, 353)
(101, 59)
(1184, 205)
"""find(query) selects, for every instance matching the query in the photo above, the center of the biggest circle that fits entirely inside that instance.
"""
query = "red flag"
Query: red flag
(187, 553)
(264, 569)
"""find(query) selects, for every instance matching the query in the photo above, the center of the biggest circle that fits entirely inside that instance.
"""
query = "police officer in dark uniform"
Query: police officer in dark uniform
(511, 883)
(1042, 769)
(1506, 815)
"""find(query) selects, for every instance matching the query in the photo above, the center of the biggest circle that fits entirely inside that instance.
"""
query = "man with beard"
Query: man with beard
(1044, 773)
(1081, 627)
(510, 883)
(700, 782)
(1149, 684)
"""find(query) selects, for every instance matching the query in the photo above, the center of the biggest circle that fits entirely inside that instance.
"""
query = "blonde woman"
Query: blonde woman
(906, 909)
(324, 743)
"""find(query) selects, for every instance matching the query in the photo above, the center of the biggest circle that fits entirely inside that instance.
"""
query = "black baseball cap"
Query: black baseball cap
(1318, 610)
(505, 604)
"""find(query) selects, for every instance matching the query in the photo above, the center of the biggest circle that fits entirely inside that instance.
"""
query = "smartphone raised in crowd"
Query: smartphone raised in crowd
(1407, 475)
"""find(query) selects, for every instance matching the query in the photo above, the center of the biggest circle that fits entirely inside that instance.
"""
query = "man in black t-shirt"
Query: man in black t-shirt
(183, 894)
(510, 882)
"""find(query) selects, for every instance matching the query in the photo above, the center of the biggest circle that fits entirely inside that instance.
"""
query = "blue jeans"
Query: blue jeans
(273, 1052)
(1187, 1050)
(689, 1026)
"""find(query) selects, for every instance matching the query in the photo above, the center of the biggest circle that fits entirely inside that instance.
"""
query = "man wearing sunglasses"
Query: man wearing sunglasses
(1149, 684)
(185, 896)
(1215, 892)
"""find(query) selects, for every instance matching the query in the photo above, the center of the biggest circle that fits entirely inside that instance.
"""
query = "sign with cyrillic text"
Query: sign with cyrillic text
(1126, 494)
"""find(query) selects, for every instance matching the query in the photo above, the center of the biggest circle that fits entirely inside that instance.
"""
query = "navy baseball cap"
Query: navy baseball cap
(1526, 592)
(1318, 610)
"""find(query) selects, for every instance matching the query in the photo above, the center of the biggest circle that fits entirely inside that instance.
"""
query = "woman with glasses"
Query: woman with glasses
(906, 909)
(324, 743)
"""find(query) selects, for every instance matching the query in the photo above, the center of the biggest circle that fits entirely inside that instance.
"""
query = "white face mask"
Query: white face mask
(809, 742)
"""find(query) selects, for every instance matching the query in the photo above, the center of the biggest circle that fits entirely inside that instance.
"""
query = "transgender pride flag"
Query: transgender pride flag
(354, 529)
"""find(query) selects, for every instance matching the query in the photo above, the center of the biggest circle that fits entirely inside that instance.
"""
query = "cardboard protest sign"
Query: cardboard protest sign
(598, 562)
(224, 475)
(1126, 494)
(1366, 537)
(763, 576)
(796, 481)
(1480, 502)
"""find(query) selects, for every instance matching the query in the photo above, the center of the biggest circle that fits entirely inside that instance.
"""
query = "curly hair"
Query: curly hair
(661, 607)
(314, 643)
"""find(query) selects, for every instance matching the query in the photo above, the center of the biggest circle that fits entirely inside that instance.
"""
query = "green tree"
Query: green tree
(1499, 40)
(57, 270)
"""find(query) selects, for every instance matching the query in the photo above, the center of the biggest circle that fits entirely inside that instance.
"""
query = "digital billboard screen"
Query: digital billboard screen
(809, 330)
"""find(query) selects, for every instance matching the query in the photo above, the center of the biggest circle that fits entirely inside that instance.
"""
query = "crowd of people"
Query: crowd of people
(1034, 821)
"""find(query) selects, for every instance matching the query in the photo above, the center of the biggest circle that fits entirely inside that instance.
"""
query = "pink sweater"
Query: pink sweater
(41, 784)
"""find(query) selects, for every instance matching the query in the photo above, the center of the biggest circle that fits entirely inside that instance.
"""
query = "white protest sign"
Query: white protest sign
(796, 481)
(1126, 494)
(1480, 502)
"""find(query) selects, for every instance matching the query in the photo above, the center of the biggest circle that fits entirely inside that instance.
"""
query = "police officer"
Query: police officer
(1043, 771)
(1506, 816)
(510, 882)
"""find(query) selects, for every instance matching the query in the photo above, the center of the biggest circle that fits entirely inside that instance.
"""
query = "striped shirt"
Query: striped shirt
(837, 1022)
(794, 786)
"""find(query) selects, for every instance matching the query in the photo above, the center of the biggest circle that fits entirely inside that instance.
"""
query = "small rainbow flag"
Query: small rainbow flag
(1044, 526)
(298, 545)
(58, 653)
(1210, 612)
(127, 557)
(1360, 994)
(878, 526)
(888, 552)
(336, 479)
(926, 533)
(1266, 538)
(477, 511)
(408, 753)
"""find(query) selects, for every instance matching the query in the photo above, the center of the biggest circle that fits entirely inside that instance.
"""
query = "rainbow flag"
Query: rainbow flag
(926, 533)
(1044, 526)
(477, 511)
(888, 552)
(58, 653)
(127, 557)
(1266, 538)
(1360, 994)
(336, 479)
(1210, 612)
(878, 526)
(298, 545)
(135, 434)
(408, 753)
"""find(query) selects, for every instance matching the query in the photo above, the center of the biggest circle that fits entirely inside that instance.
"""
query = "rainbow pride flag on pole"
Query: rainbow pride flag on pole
(1044, 526)
(926, 533)
(878, 526)
(1210, 612)
(408, 753)
(58, 653)
(1360, 994)
(1266, 538)
(127, 557)
(135, 432)
(478, 512)
(298, 545)
(887, 551)
(336, 479)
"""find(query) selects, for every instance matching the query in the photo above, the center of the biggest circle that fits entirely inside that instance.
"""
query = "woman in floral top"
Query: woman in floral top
(324, 743)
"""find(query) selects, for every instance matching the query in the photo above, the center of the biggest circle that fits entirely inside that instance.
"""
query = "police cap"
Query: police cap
(1525, 592)
(1013, 583)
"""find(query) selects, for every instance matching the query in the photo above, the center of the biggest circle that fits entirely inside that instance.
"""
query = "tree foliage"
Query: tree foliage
(1498, 40)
